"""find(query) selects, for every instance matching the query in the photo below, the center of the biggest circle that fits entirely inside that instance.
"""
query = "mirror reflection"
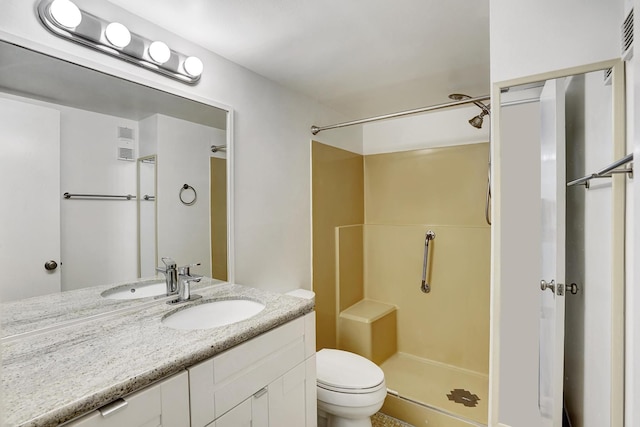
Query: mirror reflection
(147, 246)
(122, 152)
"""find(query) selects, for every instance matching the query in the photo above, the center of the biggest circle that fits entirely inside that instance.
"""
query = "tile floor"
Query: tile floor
(382, 420)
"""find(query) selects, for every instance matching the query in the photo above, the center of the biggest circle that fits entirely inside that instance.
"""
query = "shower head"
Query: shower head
(476, 122)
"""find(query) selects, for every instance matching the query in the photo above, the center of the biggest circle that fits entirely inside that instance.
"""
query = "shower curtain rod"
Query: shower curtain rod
(316, 129)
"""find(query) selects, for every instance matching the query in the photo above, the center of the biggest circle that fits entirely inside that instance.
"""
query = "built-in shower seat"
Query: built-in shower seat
(368, 328)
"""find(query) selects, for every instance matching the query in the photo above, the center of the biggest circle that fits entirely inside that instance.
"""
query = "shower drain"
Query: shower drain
(464, 397)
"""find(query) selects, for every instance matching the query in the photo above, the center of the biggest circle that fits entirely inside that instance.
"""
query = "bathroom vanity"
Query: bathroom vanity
(129, 368)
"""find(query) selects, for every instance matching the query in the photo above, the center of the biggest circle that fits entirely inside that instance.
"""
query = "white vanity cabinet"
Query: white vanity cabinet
(267, 381)
(164, 404)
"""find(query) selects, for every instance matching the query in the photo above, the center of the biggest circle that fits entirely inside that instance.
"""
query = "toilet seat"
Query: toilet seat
(344, 372)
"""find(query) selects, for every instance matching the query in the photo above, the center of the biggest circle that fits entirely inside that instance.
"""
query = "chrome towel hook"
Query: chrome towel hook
(190, 200)
(428, 236)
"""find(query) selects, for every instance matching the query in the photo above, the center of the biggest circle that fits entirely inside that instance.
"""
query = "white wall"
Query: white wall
(271, 136)
(531, 37)
(588, 314)
(183, 158)
(632, 296)
(436, 129)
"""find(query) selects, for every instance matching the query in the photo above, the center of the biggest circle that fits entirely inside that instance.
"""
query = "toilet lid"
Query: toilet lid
(344, 370)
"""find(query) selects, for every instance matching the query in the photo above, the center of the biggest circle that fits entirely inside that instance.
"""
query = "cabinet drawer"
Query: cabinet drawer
(164, 404)
(238, 358)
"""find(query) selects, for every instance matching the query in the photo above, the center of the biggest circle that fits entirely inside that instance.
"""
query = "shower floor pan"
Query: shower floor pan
(429, 383)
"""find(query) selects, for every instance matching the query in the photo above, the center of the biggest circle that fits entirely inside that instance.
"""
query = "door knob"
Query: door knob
(50, 265)
(544, 285)
(573, 288)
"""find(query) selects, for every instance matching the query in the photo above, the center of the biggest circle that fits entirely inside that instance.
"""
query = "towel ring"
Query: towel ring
(195, 195)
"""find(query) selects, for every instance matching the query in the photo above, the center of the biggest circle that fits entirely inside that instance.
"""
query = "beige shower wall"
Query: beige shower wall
(218, 175)
(349, 266)
(403, 195)
(443, 190)
(450, 324)
(337, 199)
(431, 186)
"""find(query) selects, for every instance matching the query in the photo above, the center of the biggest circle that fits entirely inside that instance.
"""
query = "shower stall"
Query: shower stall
(401, 271)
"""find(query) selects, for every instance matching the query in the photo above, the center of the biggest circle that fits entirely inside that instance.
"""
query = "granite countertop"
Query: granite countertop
(52, 377)
(32, 314)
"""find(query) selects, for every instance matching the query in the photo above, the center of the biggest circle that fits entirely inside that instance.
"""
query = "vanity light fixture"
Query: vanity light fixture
(159, 52)
(193, 66)
(64, 19)
(118, 35)
(65, 13)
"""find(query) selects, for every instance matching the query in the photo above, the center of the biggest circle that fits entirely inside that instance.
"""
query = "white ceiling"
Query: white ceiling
(360, 57)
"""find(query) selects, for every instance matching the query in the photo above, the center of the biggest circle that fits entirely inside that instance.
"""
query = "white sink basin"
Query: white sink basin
(213, 314)
(137, 290)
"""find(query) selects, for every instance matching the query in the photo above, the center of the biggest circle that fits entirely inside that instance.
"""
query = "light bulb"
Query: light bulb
(159, 52)
(193, 66)
(65, 13)
(117, 34)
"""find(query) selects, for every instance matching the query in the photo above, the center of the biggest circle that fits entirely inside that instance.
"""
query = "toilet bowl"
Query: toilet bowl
(350, 388)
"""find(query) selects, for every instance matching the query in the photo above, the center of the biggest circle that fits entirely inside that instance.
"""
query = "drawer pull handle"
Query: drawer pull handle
(260, 393)
(113, 407)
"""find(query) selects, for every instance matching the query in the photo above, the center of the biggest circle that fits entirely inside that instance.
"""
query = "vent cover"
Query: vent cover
(125, 133)
(125, 153)
(627, 37)
(126, 144)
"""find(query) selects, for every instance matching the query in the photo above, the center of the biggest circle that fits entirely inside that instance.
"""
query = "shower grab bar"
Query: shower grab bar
(428, 236)
(606, 172)
(98, 196)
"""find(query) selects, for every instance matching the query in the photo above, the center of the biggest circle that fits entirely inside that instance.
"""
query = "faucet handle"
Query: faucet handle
(185, 270)
(168, 263)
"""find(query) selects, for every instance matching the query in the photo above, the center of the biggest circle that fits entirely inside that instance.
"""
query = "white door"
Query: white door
(30, 212)
(552, 193)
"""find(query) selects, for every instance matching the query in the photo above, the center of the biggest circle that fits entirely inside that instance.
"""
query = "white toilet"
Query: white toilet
(351, 388)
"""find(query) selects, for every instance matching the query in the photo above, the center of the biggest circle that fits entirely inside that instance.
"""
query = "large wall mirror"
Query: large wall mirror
(561, 143)
(103, 177)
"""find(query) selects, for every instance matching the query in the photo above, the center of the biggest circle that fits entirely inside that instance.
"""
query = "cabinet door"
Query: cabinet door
(165, 404)
(260, 408)
(287, 402)
(253, 412)
(240, 416)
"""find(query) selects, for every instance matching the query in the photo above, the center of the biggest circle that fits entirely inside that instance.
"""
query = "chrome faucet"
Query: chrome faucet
(179, 280)
(170, 272)
(185, 278)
